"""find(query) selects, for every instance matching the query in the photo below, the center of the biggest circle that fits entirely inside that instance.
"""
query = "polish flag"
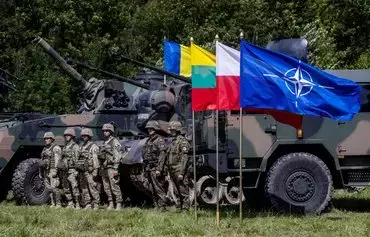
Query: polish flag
(228, 86)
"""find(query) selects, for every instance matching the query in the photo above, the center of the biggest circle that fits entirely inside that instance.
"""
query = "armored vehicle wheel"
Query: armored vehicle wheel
(27, 186)
(299, 183)
(232, 191)
(206, 190)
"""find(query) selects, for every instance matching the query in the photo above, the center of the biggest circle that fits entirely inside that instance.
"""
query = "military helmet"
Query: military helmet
(153, 124)
(49, 135)
(70, 131)
(108, 127)
(86, 132)
(175, 125)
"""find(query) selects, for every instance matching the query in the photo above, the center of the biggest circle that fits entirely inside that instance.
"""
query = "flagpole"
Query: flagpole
(240, 158)
(164, 76)
(194, 160)
(217, 162)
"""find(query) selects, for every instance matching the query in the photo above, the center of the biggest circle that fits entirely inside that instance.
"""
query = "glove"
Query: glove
(94, 173)
(90, 169)
(180, 177)
(114, 173)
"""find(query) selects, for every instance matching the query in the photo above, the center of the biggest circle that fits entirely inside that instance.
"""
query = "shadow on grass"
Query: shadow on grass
(354, 204)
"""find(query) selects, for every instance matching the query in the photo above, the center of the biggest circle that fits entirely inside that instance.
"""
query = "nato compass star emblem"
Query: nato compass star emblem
(299, 82)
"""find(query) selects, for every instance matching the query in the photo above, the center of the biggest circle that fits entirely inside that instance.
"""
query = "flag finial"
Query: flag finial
(216, 37)
(191, 39)
(241, 35)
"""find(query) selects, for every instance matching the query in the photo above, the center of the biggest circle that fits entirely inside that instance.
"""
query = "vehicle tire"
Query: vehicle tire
(206, 190)
(27, 186)
(299, 183)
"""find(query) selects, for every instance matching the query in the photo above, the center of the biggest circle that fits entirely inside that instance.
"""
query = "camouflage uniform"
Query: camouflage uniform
(110, 158)
(154, 154)
(88, 166)
(70, 155)
(50, 157)
(177, 162)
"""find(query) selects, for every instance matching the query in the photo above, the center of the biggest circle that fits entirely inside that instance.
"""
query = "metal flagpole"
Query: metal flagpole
(240, 158)
(217, 162)
(164, 76)
(194, 161)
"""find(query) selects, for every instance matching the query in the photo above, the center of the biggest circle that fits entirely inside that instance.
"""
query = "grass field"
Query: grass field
(351, 217)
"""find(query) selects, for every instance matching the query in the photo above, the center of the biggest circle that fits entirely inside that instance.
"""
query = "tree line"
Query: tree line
(338, 33)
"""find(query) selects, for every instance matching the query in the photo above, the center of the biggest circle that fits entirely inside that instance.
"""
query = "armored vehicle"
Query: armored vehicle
(296, 168)
(126, 103)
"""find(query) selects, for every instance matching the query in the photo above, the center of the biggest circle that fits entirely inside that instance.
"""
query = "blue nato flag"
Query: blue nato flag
(272, 80)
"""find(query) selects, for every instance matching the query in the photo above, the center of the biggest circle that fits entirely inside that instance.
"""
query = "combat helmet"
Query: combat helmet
(49, 135)
(86, 132)
(108, 127)
(70, 131)
(175, 125)
(153, 124)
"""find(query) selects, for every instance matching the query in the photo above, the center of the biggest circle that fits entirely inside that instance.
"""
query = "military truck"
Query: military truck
(296, 169)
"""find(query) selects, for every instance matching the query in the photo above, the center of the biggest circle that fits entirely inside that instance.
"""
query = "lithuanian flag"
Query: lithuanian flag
(203, 79)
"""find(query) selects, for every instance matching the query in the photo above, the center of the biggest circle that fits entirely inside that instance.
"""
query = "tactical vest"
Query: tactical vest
(151, 152)
(83, 159)
(48, 156)
(109, 152)
(174, 151)
(68, 155)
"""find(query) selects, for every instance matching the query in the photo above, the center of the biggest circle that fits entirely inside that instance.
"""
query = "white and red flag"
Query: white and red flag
(228, 87)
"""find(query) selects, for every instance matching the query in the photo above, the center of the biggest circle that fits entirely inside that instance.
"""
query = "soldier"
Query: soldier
(154, 154)
(70, 155)
(177, 162)
(110, 157)
(88, 165)
(50, 157)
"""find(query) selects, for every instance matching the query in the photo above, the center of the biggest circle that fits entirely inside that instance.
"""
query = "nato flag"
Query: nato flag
(273, 80)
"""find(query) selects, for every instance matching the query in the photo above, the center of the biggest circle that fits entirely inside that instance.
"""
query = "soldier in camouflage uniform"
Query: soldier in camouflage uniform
(88, 166)
(50, 157)
(70, 155)
(177, 162)
(154, 155)
(110, 158)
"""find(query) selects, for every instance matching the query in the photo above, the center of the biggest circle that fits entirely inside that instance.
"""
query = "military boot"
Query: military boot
(77, 207)
(111, 206)
(70, 204)
(96, 206)
(119, 206)
(57, 200)
(87, 207)
(52, 202)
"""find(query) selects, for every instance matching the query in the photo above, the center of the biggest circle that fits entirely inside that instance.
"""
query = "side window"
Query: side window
(365, 100)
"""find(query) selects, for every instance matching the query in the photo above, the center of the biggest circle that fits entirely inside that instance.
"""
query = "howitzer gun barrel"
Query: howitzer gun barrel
(61, 62)
(118, 77)
(124, 58)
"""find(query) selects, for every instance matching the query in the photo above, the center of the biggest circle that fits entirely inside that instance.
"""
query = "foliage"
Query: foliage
(87, 30)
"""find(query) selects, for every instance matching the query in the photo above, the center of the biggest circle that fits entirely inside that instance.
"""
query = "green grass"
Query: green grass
(351, 217)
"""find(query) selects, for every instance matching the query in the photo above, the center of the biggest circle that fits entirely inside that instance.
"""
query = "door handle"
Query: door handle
(271, 129)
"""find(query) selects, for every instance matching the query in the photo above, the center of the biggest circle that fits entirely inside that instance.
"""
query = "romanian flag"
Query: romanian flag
(203, 79)
(177, 58)
(228, 87)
